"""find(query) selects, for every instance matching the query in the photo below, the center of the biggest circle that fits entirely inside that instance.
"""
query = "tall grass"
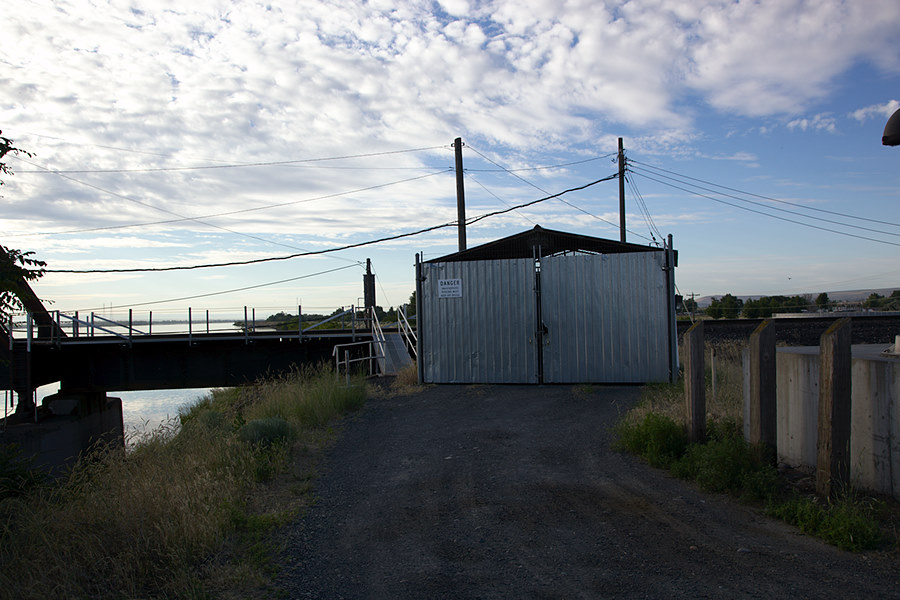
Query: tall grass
(726, 405)
(725, 462)
(143, 523)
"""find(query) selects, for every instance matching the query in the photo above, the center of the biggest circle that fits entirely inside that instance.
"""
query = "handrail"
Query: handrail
(92, 326)
(347, 360)
(328, 320)
(408, 333)
(378, 338)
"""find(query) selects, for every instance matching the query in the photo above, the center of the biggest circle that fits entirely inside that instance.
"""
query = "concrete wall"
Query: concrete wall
(875, 414)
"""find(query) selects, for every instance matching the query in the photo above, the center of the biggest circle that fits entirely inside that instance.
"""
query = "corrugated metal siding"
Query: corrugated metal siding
(606, 317)
(487, 335)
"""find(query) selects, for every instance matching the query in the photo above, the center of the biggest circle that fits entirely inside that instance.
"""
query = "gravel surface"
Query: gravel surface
(513, 492)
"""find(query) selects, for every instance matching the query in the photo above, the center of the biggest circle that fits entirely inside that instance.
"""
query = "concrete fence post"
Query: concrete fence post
(833, 447)
(763, 410)
(695, 382)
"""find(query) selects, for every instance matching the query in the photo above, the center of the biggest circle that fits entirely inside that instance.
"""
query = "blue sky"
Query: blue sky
(155, 125)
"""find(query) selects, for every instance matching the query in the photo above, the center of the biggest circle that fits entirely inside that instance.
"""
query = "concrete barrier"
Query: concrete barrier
(874, 418)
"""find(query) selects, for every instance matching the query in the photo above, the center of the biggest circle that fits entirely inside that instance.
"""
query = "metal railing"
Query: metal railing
(73, 327)
(408, 333)
(344, 349)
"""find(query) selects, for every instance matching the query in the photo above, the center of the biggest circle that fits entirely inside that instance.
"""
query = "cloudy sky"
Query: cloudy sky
(177, 134)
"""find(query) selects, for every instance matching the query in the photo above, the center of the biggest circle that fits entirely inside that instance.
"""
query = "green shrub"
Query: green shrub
(726, 463)
(847, 522)
(266, 432)
(657, 438)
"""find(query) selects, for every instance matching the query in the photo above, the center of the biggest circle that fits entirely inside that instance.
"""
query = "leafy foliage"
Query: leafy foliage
(728, 307)
(7, 147)
(766, 306)
(848, 522)
(657, 438)
(16, 266)
(879, 302)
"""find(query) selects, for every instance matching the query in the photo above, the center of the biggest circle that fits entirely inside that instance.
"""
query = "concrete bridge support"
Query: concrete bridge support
(70, 424)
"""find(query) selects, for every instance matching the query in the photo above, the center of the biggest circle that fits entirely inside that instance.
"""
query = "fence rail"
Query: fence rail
(59, 328)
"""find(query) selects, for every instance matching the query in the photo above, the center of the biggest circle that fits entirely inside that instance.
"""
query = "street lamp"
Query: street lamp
(891, 135)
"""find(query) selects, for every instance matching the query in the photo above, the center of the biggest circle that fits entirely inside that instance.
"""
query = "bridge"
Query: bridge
(92, 355)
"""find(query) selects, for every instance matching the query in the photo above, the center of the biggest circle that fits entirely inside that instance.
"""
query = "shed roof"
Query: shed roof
(550, 242)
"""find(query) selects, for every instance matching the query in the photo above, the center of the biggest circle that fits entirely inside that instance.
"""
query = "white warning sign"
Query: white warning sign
(449, 288)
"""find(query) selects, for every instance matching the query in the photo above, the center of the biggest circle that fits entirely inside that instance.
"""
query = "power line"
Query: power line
(501, 200)
(227, 213)
(223, 292)
(732, 204)
(182, 217)
(559, 166)
(798, 205)
(545, 191)
(642, 206)
(329, 250)
(239, 165)
(784, 210)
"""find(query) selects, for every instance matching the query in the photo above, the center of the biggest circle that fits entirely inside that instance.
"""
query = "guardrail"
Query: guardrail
(408, 333)
(73, 327)
(344, 349)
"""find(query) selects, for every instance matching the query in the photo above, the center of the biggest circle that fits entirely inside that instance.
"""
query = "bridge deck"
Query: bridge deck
(167, 361)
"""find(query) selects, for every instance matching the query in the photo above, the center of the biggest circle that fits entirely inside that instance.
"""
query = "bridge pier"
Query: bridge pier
(68, 425)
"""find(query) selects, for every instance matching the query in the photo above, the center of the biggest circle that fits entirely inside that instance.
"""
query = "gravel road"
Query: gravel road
(513, 492)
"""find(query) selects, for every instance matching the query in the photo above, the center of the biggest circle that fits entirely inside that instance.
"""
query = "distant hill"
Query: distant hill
(838, 296)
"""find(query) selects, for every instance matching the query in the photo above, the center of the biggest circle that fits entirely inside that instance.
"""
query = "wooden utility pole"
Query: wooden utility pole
(460, 194)
(621, 191)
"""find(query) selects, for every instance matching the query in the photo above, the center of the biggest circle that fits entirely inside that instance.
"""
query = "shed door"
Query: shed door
(605, 318)
(478, 322)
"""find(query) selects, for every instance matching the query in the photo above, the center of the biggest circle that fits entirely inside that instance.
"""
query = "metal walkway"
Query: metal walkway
(396, 356)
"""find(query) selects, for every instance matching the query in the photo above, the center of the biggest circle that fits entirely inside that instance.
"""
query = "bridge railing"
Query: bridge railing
(58, 328)
(408, 333)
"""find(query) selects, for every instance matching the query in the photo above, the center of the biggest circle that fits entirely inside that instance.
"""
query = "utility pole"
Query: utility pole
(621, 191)
(460, 194)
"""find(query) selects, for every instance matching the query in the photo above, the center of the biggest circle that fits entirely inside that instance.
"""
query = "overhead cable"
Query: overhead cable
(784, 210)
(275, 163)
(732, 204)
(542, 168)
(223, 214)
(576, 207)
(337, 249)
(796, 204)
(231, 291)
(182, 217)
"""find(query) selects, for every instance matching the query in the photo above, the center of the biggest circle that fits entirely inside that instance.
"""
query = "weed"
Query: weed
(144, 523)
(849, 521)
(727, 463)
(657, 438)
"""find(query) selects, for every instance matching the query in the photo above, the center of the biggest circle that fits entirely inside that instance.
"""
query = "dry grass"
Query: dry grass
(154, 522)
(727, 405)
(405, 383)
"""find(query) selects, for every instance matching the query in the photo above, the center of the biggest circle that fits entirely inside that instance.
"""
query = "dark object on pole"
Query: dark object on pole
(621, 192)
(369, 287)
(460, 195)
(891, 135)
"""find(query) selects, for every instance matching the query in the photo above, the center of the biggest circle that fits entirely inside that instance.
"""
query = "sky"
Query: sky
(181, 134)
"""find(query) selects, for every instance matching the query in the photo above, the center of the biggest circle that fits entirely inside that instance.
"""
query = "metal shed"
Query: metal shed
(546, 306)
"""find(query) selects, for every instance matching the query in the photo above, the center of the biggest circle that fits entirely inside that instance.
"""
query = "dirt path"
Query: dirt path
(513, 492)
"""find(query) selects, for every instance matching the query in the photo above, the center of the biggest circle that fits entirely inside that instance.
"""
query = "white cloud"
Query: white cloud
(821, 122)
(876, 111)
